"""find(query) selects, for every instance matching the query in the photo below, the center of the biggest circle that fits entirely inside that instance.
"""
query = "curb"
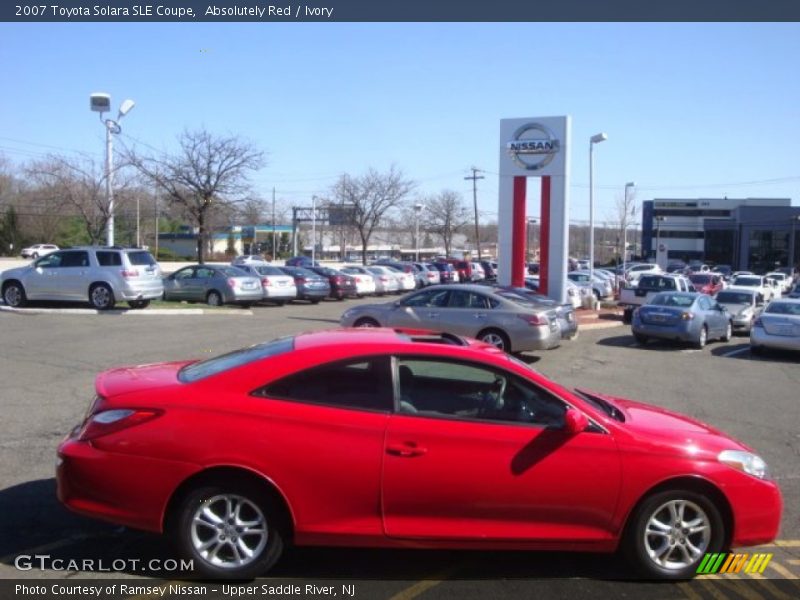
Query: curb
(124, 312)
(598, 325)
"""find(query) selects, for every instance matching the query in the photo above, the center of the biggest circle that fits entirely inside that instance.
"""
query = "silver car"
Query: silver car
(102, 276)
(777, 327)
(214, 284)
(278, 287)
(744, 305)
(386, 280)
(470, 310)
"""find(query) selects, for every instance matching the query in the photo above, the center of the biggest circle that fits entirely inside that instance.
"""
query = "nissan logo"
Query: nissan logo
(530, 151)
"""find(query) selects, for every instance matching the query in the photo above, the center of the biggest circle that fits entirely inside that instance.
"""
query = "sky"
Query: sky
(691, 110)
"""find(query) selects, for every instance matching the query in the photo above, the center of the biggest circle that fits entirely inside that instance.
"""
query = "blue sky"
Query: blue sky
(691, 110)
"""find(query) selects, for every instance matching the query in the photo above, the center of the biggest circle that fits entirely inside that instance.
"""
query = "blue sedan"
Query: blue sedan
(682, 316)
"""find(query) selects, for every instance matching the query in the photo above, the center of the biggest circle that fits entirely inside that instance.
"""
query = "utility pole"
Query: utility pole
(474, 177)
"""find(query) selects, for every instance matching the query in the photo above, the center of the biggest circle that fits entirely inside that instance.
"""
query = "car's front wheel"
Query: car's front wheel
(366, 322)
(14, 294)
(702, 338)
(137, 304)
(229, 531)
(671, 532)
(728, 333)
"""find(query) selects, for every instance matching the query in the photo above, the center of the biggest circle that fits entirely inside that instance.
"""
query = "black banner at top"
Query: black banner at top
(280, 11)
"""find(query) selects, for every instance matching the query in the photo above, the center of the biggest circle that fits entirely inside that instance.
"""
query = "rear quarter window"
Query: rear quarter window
(219, 364)
(109, 259)
(141, 258)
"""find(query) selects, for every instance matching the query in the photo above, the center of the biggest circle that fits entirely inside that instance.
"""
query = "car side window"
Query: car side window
(204, 273)
(51, 261)
(75, 259)
(452, 389)
(185, 273)
(109, 259)
(437, 298)
(358, 384)
(704, 303)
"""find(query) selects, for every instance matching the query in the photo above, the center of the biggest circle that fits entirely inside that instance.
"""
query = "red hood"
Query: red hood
(142, 377)
(654, 421)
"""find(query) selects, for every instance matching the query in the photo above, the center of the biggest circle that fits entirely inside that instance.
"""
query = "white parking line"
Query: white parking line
(735, 352)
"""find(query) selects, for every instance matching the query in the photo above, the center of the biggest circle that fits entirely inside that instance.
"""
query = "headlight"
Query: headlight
(744, 461)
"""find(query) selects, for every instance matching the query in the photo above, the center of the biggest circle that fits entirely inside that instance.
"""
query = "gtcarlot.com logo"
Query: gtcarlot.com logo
(27, 562)
(733, 563)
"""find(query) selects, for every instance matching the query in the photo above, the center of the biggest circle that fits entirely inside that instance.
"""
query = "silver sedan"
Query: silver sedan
(498, 317)
(213, 284)
(777, 327)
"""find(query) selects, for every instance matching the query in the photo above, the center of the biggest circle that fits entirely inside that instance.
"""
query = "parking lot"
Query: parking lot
(49, 361)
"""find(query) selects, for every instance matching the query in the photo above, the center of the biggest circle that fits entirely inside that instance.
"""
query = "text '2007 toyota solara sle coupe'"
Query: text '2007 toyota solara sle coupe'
(402, 438)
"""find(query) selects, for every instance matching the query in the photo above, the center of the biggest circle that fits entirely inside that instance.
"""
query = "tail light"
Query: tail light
(128, 273)
(359, 280)
(687, 316)
(265, 282)
(337, 280)
(111, 421)
(299, 280)
(534, 320)
(384, 279)
(231, 282)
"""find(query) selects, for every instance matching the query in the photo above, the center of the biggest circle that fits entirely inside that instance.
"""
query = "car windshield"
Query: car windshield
(784, 308)
(678, 300)
(734, 298)
(141, 259)
(700, 279)
(218, 364)
(748, 281)
(269, 271)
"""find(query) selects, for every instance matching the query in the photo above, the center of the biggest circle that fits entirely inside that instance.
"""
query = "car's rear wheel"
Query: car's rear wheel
(214, 298)
(314, 301)
(280, 302)
(641, 339)
(757, 350)
(14, 294)
(101, 297)
(496, 338)
(702, 339)
(671, 532)
(728, 333)
(229, 531)
(35, 255)
(139, 303)
(627, 316)
(366, 322)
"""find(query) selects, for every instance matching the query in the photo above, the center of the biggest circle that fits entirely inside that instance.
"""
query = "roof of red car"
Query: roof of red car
(382, 336)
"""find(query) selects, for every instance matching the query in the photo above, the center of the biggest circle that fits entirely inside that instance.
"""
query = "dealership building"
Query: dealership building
(747, 233)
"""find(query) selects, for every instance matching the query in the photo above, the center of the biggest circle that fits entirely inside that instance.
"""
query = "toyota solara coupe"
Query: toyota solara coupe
(403, 438)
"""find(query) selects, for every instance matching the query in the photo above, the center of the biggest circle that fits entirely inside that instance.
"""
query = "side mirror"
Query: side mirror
(575, 421)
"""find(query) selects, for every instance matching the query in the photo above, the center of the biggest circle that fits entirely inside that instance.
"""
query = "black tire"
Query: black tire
(314, 301)
(596, 295)
(366, 322)
(627, 316)
(703, 339)
(35, 255)
(14, 294)
(728, 333)
(137, 304)
(214, 298)
(280, 302)
(639, 543)
(265, 541)
(247, 304)
(496, 338)
(101, 297)
(641, 339)
(757, 350)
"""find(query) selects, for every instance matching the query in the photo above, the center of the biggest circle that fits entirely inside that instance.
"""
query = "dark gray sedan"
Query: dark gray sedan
(213, 284)
(503, 319)
(682, 316)
(310, 286)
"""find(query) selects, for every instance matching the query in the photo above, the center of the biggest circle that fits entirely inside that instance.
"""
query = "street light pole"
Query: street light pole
(417, 210)
(628, 185)
(474, 177)
(313, 228)
(595, 139)
(101, 103)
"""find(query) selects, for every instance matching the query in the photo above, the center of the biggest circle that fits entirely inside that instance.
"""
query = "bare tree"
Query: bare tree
(371, 197)
(623, 216)
(77, 185)
(206, 173)
(446, 214)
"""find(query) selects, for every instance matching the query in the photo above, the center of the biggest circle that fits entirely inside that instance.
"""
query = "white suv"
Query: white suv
(38, 250)
(101, 276)
(632, 275)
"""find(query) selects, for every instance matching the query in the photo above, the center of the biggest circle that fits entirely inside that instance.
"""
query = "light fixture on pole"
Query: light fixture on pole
(595, 139)
(628, 185)
(101, 102)
(417, 210)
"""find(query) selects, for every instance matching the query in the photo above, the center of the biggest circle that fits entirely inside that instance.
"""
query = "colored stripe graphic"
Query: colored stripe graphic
(733, 563)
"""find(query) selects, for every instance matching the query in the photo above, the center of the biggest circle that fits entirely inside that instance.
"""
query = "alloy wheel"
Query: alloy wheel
(677, 534)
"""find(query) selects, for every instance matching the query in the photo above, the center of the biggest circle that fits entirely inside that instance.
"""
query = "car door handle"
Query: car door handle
(480, 316)
(433, 315)
(406, 450)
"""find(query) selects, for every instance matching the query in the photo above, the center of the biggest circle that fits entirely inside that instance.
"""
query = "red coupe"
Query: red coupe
(388, 438)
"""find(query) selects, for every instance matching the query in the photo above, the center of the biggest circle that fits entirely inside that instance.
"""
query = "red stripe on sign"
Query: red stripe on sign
(544, 237)
(518, 231)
